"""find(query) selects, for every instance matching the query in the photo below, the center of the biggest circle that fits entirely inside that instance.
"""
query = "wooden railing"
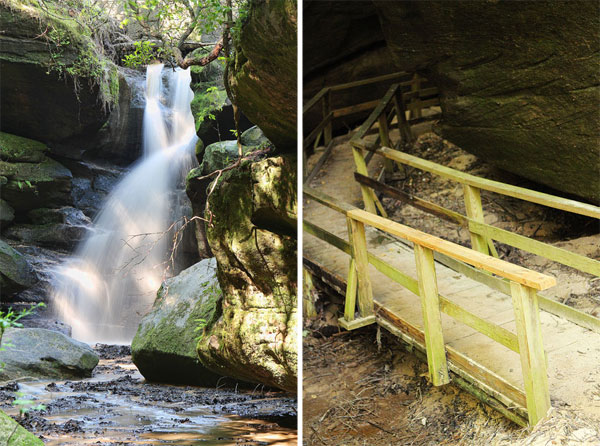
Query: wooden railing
(482, 234)
(524, 284)
(416, 98)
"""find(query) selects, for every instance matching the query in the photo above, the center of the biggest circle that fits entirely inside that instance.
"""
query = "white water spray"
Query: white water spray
(112, 281)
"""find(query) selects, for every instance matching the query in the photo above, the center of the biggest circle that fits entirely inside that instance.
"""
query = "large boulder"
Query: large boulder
(41, 353)
(16, 273)
(253, 236)
(519, 82)
(48, 63)
(262, 75)
(164, 347)
(14, 434)
(32, 179)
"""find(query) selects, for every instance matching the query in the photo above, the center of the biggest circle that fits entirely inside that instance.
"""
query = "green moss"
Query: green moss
(70, 48)
(16, 148)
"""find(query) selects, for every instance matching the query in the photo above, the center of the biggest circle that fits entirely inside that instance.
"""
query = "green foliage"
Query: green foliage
(205, 104)
(10, 319)
(26, 405)
(143, 54)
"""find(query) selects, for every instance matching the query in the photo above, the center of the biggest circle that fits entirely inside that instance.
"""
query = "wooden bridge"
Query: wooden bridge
(483, 323)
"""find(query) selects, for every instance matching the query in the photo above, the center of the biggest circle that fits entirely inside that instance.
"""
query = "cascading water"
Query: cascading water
(112, 281)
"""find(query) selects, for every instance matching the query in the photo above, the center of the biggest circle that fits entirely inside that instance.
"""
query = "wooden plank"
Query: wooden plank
(492, 331)
(362, 130)
(475, 212)
(357, 323)
(533, 358)
(318, 129)
(327, 200)
(371, 80)
(315, 99)
(384, 135)
(426, 206)
(555, 253)
(404, 129)
(415, 100)
(353, 109)
(367, 193)
(326, 106)
(564, 204)
(308, 306)
(458, 362)
(497, 266)
(359, 253)
(546, 303)
(351, 289)
(327, 276)
(315, 170)
(432, 319)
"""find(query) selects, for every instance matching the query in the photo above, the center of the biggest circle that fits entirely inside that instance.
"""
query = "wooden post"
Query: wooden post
(475, 212)
(533, 358)
(384, 134)
(367, 192)
(352, 283)
(359, 252)
(415, 87)
(328, 130)
(432, 320)
(308, 301)
(403, 125)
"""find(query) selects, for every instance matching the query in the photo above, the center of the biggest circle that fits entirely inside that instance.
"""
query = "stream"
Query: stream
(117, 407)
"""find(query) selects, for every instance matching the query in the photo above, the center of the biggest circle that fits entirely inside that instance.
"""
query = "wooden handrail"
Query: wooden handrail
(522, 193)
(497, 266)
(315, 99)
(371, 80)
(500, 267)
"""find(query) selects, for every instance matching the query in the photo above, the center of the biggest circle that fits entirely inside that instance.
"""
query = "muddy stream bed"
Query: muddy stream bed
(116, 406)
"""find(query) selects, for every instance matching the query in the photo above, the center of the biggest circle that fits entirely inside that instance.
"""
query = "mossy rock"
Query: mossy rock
(14, 434)
(254, 240)
(254, 136)
(199, 150)
(220, 155)
(41, 353)
(57, 91)
(16, 273)
(34, 185)
(18, 149)
(164, 347)
(7, 213)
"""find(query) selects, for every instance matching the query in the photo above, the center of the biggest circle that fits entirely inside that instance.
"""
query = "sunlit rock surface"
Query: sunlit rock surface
(253, 238)
(18, 436)
(41, 353)
(164, 348)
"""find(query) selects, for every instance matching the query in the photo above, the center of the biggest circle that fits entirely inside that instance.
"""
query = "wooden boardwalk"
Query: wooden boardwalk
(484, 367)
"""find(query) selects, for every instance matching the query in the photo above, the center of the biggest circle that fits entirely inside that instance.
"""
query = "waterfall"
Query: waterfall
(112, 280)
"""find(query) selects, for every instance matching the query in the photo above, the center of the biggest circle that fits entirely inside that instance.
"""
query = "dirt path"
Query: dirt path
(116, 406)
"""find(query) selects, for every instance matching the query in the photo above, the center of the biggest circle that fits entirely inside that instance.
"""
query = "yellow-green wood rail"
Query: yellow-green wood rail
(523, 283)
